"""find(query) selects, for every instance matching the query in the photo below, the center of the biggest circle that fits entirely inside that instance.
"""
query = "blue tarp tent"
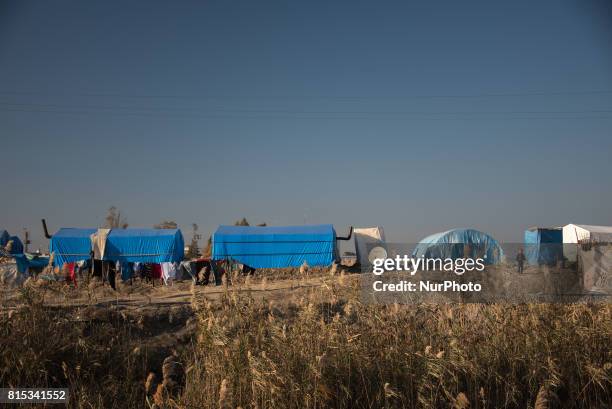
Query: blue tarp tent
(4, 237)
(126, 245)
(275, 247)
(17, 246)
(144, 245)
(543, 246)
(25, 261)
(71, 244)
(460, 243)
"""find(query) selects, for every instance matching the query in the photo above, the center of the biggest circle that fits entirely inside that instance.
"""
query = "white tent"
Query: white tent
(365, 236)
(574, 233)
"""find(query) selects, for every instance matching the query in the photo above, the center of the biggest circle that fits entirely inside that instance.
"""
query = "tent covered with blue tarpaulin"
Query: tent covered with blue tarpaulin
(17, 246)
(543, 245)
(71, 245)
(144, 245)
(275, 247)
(460, 243)
(4, 237)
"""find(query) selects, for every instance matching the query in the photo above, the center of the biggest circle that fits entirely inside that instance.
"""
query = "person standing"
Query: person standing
(520, 260)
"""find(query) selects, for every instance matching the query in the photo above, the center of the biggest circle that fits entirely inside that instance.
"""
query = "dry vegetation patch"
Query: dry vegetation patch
(330, 350)
(309, 346)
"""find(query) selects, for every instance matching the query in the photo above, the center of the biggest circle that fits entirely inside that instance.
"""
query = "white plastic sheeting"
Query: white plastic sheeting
(367, 235)
(98, 243)
(573, 233)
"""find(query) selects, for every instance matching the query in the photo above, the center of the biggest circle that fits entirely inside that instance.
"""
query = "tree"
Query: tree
(193, 251)
(242, 222)
(166, 224)
(207, 252)
(114, 220)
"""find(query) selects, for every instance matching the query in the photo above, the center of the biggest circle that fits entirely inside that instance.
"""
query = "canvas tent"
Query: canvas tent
(275, 247)
(5, 238)
(575, 233)
(71, 245)
(365, 239)
(126, 245)
(460, 243)
(543, 245)
(16, 246)
(143, 245)
(23, 262)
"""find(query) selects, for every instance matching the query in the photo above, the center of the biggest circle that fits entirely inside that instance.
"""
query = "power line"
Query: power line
(365, 117)
(313, 97)
(301, 112)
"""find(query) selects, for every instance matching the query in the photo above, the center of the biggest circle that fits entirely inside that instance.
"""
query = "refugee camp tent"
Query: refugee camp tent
(71, 245)
(4, 237)
(275, 247)
(126, 245)
(144, 245)
(16, 245)
(365, 239)
(460, 243)
(575, 233)
(543, 245)
(30, 262)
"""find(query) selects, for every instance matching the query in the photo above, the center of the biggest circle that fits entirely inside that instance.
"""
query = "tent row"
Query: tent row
(292, 246)
(275, 247)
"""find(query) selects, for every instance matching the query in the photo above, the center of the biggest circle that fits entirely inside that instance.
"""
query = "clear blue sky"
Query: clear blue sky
(418, 116)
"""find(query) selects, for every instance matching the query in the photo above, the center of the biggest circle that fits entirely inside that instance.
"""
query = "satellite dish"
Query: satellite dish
(376, 253)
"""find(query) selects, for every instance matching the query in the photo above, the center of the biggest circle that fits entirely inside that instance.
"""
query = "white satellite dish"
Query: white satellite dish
(377, 252)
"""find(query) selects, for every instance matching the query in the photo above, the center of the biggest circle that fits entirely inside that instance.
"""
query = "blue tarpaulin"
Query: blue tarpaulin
(275, 247)
(28, 261)
(460, 243)
(543, 246)
(4, 237)
(17, 246)
(126, 245)
(144, 245)
(70, 245)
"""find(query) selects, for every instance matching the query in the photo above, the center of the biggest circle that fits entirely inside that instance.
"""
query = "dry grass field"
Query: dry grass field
(305, 342)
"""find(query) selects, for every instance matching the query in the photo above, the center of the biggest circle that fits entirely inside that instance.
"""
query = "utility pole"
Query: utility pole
(26, 239)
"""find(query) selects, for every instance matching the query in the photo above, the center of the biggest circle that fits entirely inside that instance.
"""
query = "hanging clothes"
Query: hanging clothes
(168, 272)
(188, 269)
(81, 266)
(127, 271)
(70, 274)
(146, 271)
(111, 275)
(157, 271)
(98, 268)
